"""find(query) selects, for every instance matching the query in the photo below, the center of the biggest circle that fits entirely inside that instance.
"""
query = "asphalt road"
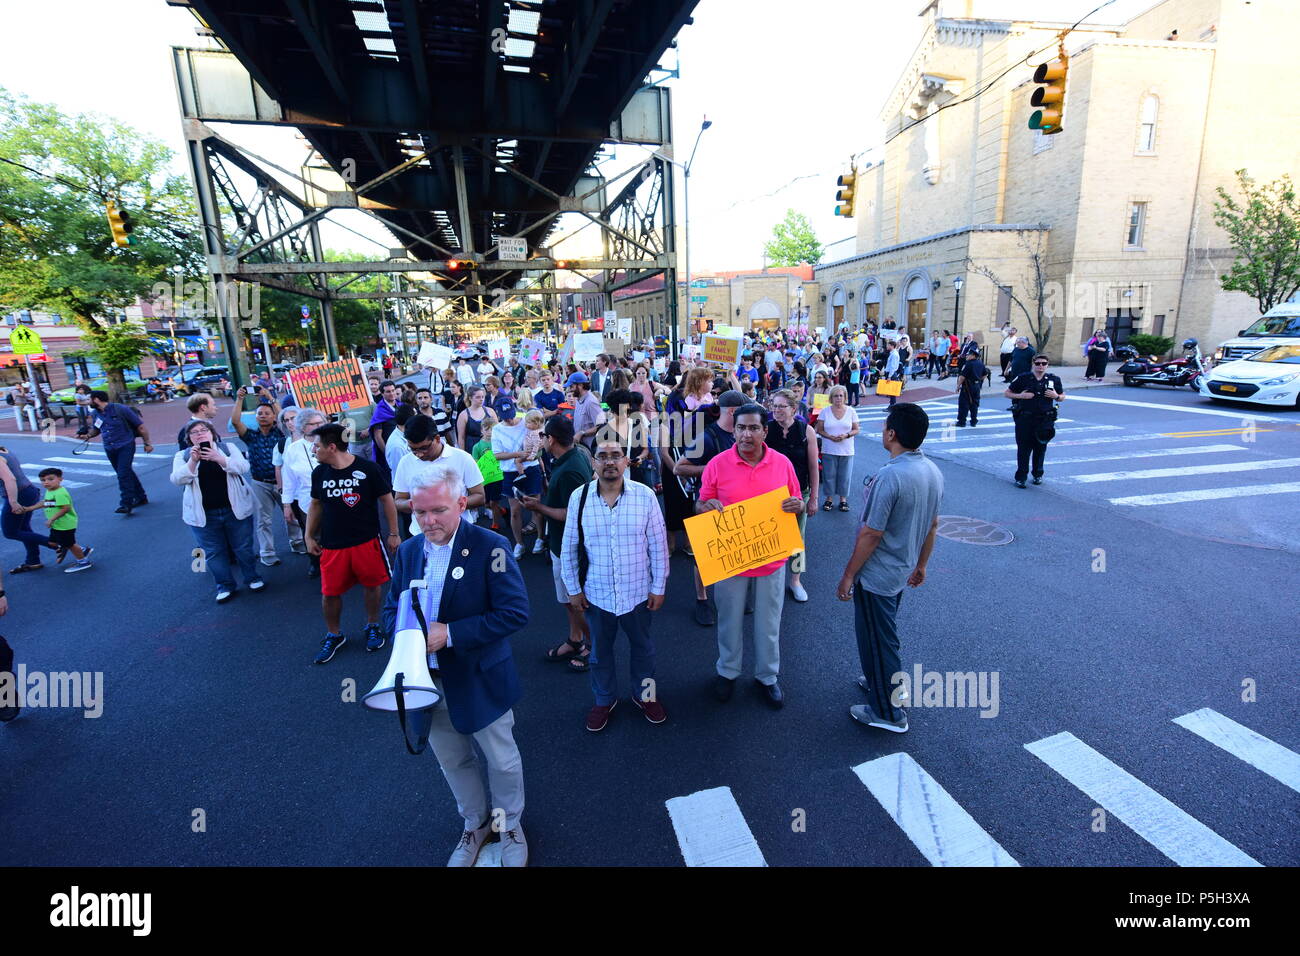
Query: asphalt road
(219, 709)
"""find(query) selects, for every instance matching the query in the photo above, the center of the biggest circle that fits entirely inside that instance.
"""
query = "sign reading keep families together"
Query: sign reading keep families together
(742, 536)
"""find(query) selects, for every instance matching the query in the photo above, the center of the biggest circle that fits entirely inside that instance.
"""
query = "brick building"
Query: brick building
(1159, 112)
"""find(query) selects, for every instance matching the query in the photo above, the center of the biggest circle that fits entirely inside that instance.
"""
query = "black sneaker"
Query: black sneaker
(329, 647)
(375, 638)
(703, 614)
(60, 552)
(122, 510)
(1038, 480)
(1019, 483)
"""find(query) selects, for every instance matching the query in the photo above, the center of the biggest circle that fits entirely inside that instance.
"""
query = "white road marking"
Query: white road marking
(937, 824)
(1155, 453)
(67, 482)
(34, 466)
(1175, 833)
(82, 461)
(139, 454)
(1150, 436)
(1220, 413)
(1209, 494)
(1257, 750)
(711, 830)
(1232, 467)
(1003, 431)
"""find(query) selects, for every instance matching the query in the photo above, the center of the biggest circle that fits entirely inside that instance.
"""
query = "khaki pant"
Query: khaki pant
(769, 600)
(460, 765)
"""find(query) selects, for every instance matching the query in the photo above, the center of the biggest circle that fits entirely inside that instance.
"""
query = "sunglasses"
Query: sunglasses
(1044, 364)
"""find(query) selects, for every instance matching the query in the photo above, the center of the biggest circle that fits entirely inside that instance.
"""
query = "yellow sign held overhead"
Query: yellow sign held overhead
(25, 341)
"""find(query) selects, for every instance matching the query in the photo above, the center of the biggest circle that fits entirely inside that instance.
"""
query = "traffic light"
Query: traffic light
(459, 265)
(1049, 98)
(563, 263)
(844, 195)
(119, 222)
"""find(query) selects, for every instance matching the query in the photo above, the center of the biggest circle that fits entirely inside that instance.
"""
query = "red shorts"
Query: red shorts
(341, 568)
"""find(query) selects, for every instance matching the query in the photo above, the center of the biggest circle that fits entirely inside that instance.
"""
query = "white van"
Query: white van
(1280, 326)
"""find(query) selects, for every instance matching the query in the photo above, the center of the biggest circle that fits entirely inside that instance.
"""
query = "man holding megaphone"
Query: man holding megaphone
(471, 598)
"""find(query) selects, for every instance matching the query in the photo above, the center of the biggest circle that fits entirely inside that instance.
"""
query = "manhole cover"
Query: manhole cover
(972, 531)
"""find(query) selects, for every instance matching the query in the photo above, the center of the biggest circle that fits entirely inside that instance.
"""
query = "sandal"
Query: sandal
(23, 568)
(827, 507)
(844, 506)
(554, 656)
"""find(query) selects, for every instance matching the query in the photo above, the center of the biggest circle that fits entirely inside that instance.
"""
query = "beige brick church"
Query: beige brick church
(1117, 208)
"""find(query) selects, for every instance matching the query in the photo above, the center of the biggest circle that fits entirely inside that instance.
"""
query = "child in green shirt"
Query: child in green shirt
(61, 518)
(491, 489)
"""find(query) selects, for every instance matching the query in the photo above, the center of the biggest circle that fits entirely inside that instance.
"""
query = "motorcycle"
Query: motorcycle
(1187, 370)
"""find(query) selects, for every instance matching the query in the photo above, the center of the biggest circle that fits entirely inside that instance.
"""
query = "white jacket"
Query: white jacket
(241, 497)
(295, 474)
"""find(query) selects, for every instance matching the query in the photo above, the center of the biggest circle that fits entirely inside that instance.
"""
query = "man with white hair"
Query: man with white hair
(468, 589)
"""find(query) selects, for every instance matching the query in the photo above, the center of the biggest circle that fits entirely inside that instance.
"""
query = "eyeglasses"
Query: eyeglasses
(610, 456)
(1044, 364)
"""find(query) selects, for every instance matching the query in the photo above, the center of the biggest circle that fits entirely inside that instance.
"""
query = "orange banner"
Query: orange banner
(745, 535)
(329, 385)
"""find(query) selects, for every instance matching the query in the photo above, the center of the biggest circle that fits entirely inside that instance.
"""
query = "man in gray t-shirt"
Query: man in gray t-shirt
(899, 519)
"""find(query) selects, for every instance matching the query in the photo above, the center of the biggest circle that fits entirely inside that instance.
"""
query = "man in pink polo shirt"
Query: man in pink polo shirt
(747, 469)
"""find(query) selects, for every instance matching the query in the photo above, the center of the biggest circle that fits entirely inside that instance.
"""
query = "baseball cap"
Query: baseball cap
(506, 410)
(732, 399)
(578, 378)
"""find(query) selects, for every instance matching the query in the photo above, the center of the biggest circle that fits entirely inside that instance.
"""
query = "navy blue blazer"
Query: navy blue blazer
(484, 606)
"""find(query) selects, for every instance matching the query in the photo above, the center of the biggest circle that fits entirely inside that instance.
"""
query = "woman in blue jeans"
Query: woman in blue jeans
(218, 506)
(21, 498)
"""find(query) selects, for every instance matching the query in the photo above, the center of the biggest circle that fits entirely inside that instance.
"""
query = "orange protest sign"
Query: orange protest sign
(719, 350)
(821, 400)
(329, 385)
(744, 535)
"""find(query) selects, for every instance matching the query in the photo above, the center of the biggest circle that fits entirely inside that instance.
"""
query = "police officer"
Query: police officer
(970, 379)
(1035, 396)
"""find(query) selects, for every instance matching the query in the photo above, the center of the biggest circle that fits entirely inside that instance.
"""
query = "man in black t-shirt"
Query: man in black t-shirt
(1035, 396)
(343, 528)
(969, 382)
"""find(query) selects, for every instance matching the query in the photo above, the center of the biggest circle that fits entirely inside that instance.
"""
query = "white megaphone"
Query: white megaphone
(406, 684)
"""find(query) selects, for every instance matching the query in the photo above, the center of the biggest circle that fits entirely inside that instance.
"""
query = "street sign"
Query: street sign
(25, 341)
(515, 250)
(306, 312)
(699, 298)
(699, 283)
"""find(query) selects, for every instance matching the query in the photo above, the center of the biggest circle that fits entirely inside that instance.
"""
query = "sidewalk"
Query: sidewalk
(163, 419)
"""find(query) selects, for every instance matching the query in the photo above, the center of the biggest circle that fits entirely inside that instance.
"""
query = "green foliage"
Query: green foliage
(793, 241)
(1264, 228)
(1150, 344)
(56, 249)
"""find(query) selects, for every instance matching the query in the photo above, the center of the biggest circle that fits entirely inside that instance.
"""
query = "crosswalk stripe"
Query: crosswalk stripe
(940, 422)
(1175, 833)
(1146, 436)
(1002, 431)
(937, 824)
(34, 466)
(1257, 750)
(81, 461)
(139, 454)
(1186, 470)
(1152, 453)
(1181, 409)
(67, 482)
(711, 830)
(1209, 494)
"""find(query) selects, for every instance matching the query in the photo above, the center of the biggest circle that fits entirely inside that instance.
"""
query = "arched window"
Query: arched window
(1147, 124)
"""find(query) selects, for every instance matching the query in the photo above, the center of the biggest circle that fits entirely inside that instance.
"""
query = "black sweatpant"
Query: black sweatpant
(1027, 446)
(875, 622)
(968, 401)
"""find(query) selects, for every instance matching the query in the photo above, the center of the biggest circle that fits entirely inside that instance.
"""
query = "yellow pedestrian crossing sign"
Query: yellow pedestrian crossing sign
(25, 342)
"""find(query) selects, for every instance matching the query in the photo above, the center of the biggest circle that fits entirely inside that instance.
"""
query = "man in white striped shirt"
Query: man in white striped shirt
(614, 562)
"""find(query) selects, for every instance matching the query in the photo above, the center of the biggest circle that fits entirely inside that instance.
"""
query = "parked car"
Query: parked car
(1281, 326)
(207, 378)
(135, 388)
(1270, 376)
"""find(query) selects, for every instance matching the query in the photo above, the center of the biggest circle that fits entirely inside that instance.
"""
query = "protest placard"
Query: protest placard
(330, 385)
(744, 535)
(690, 351)
(434, 356)
(821, 400)
(499, 350)
(638, 356)
(566, 350)
(721, 350)
(587, 345)
(625, 330)
(530, 352)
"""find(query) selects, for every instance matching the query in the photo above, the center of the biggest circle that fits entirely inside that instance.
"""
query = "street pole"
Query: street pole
(36, 387)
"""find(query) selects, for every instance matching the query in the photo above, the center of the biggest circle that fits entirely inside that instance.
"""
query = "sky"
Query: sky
(792, 90)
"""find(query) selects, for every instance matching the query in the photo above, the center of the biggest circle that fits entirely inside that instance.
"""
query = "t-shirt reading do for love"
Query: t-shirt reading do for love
(349, 500)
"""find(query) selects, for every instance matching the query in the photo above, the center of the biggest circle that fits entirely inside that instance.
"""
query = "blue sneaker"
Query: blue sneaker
(375, 638)
(329, 647)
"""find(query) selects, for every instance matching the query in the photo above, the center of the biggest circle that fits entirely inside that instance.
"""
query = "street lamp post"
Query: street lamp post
(686, 210)
(957, 283)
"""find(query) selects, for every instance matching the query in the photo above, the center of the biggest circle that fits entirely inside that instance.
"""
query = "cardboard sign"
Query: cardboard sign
(531, 352)
(587, 345)
(625, 330)
(499, 350)
(435, 356)
(330, 386)
(638, 356)
(721, 350)
(690, 351)
(489, 466)
(745, 535)
(661, 364)
(821, 401)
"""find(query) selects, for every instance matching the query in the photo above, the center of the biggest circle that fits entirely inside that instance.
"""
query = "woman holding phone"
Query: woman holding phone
(218, 506)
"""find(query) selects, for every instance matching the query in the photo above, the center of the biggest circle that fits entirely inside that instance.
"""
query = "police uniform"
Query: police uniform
(968, 391)
(1034, 419)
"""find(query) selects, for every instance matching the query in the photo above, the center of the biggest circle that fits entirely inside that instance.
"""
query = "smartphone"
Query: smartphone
(206, 445)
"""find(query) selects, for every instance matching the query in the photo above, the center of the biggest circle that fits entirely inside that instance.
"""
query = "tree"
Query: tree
(1264, 227)
(1032, 301)
(56, 249)
(793, 241)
